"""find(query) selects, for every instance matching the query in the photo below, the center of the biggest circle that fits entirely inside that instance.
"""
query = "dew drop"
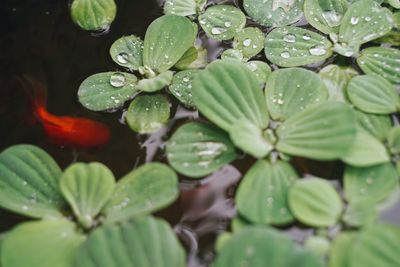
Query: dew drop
(217, 31)
(289, 38)
(122, 58)
(117, 80)
(306, 37)
(317, 50)
(285, 55)
(247, 42)
(354, 20)
(228, 24)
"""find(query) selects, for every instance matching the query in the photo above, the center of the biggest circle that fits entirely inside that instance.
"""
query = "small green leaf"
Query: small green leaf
(164, 45)
(29, 182)
(146, 189)
(47, 243)
(262, 194)
(221, 240)
(156, 83)
(394, 3)
(373, 94)
(107, 90)
(286, 97)
(222, 22)
(127, 52)
(148, 113)
(370, 184)
(227, 92)
(336, 79)
(257, 246)
(233, 54)
(320, 245)
(87, 187)
(325, 15)
(376, 125)
(359, 213)
(340, 248)
(250, 41)
(315, 202)
(366, 150)
(249, 138)
(93, 15)
(274, 12)
(195, 57)
(144, 242)
(184, 7)
(364, 21)
(198, 149)
(181, 86)
(382, 61)
(321, 132)
(394, 140)
(376, 245)
(261, 69)
(293, 46)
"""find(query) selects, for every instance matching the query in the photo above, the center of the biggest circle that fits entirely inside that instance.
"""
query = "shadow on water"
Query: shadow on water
(37, 37)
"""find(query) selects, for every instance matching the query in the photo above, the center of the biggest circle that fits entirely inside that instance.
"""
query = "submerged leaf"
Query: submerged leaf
(286, 97)
(274, 12)
(321, 132)
(293, 46)
(46, 243)
(222, 22)
(146, 189)
(148, 113)
(164, 45)
(127, 52)
(315, 202)
(382, 61)
(373, 94)
(107, 90)
(262, 196)
(93, 15)
(198, 149)
(144, 242)
(87, 187)
(29, 182)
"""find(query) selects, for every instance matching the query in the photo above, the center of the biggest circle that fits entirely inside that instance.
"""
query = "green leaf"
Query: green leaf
(195, 57)
(325, 15)
(127, 52)
(155, 83)
(359, 213)
(29, 182)
(93, 15)
(250, 41)
(144, 242)
(366, 150)
(256, 245)
(146, 189)
(221, 240)
(164, 45)
(370, 184)
(373, 94)
(47, 243)
(393, 37)
(233, 54)
(261, 69)
(394, 3)
(315, 202)
(336, 79)
(394, 140)
(227, 92)
(262, 194)
(286, 97)
(364, 21)
(340, 248)
(384, 62)
(148, 113)
(321, 132)
(107, 90)
(198, 149)
(274, 12)
(320, 245)
(293, 46)
(249, 138)
(376, 245)
(184, 7)
(87, 188)
(376, 125)
(181, 86)
(222, 22)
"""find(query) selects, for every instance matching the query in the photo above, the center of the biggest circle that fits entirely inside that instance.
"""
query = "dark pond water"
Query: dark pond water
(38, 38)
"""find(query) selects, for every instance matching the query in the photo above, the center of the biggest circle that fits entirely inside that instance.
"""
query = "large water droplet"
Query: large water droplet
(289, 38)
(122, 58)
(227, 24)
(306, 37)
(317, 50)
(285, 54)
(354, 20)
(217, 31)
(117, 80)
(247, 42)
(332, 18)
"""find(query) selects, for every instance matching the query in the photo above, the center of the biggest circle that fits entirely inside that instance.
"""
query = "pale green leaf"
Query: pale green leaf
(339, 253)
(376, 125)
(127, 52)
(156, 83)
(250, 41)
(181, 86)
(359, 213)
(261, 69)
(184, 7)
(93, 15)
(394, 140)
